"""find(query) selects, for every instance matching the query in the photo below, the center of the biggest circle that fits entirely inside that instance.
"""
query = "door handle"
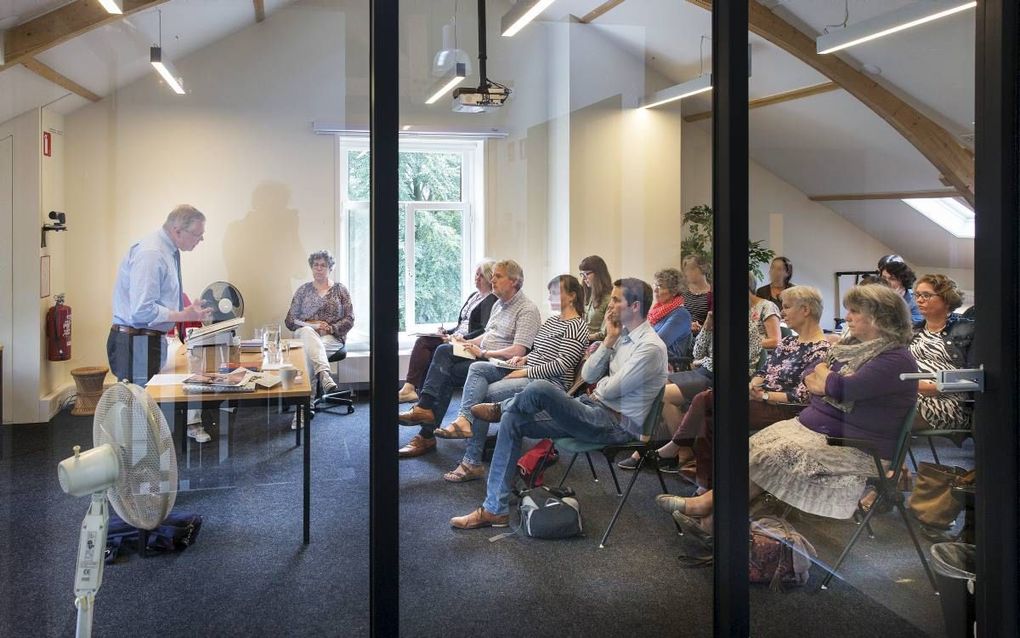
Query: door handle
(952, 381)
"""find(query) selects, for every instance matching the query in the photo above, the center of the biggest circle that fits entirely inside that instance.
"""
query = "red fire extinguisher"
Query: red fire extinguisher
(58, 331)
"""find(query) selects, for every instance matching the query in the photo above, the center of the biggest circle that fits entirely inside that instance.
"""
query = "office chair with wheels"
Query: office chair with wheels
(329, 401)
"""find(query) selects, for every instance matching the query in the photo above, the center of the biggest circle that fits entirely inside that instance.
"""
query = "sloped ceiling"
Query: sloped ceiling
(824, 144)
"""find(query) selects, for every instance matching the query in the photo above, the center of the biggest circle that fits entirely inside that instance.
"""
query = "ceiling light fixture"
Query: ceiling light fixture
(446, 84)
(451, 54)
(700, 84)
(163, 67)
(519, 15)
(883, 25)
(115, 7)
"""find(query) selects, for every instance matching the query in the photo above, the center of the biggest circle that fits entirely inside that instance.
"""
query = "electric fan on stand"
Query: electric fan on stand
(133, 464)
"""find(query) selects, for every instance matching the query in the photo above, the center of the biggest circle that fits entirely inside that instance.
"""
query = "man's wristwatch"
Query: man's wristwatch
(765, 397)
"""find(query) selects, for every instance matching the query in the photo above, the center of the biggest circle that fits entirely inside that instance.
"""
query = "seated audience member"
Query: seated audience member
(776, 392)
(942, 341)
(898, 276)
(510, 333)
(667, 316)
(764, 315)
(559, 346)
(597, 287)
(780, 274)
(698, 293)
(856, 393)
(634, 357)
(474, 314)
(321, 314)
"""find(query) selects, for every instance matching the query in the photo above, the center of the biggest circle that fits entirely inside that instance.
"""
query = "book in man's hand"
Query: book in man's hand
(460, 350)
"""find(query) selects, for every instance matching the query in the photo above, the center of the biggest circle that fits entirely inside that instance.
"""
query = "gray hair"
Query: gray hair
(671, 279)
(486, 265)
(183, 217)
(806, 296)
(324, 255)
(513, 271)
(886, 308)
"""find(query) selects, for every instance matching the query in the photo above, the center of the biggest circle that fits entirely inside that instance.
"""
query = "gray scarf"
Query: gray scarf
(853, 354)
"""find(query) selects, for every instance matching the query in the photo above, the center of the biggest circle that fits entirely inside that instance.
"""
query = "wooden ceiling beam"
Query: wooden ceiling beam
(60, 25)
(856, 197)
(260, 10)
(776, 98)
(59, 79)
(599, 10)
(952, 159)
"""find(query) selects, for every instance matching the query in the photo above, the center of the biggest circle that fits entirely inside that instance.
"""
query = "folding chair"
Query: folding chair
(578, 447)
(888, 490)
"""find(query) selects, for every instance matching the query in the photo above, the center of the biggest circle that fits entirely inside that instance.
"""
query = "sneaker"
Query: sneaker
(326, 382)
(669, 466)
(629, 463)
(198, 433)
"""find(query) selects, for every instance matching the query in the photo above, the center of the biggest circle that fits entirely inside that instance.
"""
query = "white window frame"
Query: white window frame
(471, 207)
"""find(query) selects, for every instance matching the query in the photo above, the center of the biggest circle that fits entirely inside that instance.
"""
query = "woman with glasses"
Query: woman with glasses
(898, 276)
(942, 341)
(594, 276)
(668, 316)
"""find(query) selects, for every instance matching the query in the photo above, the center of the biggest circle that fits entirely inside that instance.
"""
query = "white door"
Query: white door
(7, 266)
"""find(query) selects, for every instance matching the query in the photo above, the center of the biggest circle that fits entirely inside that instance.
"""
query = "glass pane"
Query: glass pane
(438, 265)
(430, 177)
(358, 178)
(402, 269)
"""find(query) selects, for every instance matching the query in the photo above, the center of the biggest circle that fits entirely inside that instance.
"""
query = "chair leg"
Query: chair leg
(912, 459)
(616, 514)
(658, 471)
(612, 471)
(917, 546)
(934, 454)
(591, 466)
(540, 469)
(564, 478)
(853, 541)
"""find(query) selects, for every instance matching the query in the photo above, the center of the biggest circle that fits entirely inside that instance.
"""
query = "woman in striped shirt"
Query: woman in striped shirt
(558, 349)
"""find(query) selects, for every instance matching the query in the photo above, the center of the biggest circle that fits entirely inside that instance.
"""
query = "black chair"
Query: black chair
(330, 401)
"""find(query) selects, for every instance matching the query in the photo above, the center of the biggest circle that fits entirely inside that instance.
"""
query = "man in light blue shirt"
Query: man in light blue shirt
(636, 361)
(147, 297)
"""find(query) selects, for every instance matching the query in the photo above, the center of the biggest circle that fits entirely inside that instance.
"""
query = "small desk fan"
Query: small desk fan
(225, 300)
(134, 465)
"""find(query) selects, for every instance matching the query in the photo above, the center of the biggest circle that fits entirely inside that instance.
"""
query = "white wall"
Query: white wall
(816, 239)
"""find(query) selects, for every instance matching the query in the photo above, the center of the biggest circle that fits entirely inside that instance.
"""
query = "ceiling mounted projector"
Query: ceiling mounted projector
(479, 100)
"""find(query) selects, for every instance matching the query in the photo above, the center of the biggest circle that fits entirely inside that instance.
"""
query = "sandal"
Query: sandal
(464, 473)
(454, 430)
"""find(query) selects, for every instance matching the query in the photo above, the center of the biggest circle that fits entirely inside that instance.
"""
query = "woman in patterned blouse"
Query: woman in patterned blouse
(321, 314)
(777, 390)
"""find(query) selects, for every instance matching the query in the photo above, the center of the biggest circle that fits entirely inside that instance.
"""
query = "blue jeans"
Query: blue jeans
(446, 373)
(485, 382)
(543, 410)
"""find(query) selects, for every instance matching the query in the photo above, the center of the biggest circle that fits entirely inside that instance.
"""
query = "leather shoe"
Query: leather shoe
(416, 416)
(488, 412)
(417, 446)
(458, 429)
(480, 518)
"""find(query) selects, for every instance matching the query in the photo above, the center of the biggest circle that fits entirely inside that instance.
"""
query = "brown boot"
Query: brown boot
(480, 518)
(416, 416)
(417, 446)
(489, 412)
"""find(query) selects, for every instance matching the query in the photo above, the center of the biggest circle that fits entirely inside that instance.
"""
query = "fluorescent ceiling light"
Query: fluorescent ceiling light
(519, 15)
(948, 213)
(165, 69)
(446, 83)
(116, 7)
(885, 24)
(700, 84)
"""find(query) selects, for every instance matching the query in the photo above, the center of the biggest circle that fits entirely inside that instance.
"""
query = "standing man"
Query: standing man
(635, 359)
(147, 300)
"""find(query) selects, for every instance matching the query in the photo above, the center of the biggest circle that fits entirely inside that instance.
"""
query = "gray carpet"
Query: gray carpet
(249, 575)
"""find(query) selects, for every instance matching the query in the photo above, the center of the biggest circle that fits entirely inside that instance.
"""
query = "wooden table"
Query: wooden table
(299, 395)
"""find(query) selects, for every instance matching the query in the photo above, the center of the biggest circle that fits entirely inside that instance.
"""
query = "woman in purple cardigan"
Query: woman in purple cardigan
(857, 393)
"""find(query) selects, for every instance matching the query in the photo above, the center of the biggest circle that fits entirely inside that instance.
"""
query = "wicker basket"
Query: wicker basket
(89, 381)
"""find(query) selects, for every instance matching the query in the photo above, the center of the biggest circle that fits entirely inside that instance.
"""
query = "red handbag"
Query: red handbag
(530, 461)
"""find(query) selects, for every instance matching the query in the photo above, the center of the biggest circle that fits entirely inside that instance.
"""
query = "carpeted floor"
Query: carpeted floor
(249, 575)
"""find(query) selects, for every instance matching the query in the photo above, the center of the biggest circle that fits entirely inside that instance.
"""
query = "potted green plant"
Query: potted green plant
(697, 240)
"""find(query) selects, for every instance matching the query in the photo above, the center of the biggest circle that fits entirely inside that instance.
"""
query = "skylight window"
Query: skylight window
(948, 213)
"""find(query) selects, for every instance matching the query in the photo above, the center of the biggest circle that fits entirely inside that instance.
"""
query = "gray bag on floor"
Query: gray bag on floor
(548, 514)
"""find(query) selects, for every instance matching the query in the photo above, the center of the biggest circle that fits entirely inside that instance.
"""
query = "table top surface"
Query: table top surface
(177, 363)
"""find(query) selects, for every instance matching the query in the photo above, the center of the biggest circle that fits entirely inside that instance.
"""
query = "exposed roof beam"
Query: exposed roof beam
(856, 197)
(60, 25)
(599, 10)
(776, 98)
(260, 10)
(50, 74)
(953, 160)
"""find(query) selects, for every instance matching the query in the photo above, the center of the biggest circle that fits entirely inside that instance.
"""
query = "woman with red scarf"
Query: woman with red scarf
(668, 317)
